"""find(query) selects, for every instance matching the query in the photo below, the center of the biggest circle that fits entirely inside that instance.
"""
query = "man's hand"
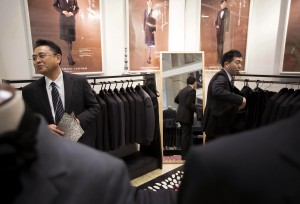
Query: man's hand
(53, 128)
(243, 105)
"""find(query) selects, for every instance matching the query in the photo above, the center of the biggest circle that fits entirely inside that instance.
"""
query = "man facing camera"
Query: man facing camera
(223, 103)
(58, 92)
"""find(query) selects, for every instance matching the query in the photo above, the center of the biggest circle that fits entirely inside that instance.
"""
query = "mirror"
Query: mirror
(176, 67)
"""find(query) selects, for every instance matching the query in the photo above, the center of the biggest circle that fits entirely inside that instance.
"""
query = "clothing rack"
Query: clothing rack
(147, 77)
(149, 157)
(288, 77)
(270, 76)
(262, 108)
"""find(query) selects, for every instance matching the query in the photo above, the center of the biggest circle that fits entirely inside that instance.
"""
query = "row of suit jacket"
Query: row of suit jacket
(265, 107)
(171, 129)
(172, 133)
(128, 115)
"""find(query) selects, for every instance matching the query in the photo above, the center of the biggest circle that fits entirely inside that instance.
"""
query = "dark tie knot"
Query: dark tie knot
(53, 84)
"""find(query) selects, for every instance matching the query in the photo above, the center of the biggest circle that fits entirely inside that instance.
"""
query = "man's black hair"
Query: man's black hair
(190, 80)
(228, 56)
(54, 47)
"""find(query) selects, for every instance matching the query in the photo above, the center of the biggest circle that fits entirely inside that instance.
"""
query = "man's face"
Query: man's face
(149, 3)
(45, 61)
(223, 5)
(235, 66)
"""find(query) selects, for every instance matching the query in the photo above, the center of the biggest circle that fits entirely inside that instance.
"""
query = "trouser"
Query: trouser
(186, 138)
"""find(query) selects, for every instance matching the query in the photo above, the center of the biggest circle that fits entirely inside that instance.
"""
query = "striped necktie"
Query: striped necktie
(57, 103)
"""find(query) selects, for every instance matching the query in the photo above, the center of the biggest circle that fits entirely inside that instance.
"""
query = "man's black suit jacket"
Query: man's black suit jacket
(186, 105)
(79, 99)
(221, 105)
(223, 24)
(257, 166)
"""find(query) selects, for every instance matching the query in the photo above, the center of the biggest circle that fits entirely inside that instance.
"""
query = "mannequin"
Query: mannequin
(37, 167)
(17, 140)
(11, 109)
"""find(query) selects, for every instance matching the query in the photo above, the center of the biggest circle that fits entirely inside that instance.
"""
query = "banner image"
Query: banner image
(74, 25)
(224, 26)
(291, 58)
(148, 30)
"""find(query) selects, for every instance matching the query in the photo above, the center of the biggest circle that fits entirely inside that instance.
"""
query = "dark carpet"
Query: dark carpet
(170, 180)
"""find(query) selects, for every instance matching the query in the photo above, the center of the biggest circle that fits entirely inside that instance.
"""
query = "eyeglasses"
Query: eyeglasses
(40, 55)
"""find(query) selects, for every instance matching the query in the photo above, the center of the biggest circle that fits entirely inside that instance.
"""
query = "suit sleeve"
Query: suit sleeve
(199, 182)
(227, 21)
(57, 6)
(92, 107)
(220, 91)
(176, 100)
(118, 187)
(144, 24)
(76, 8)
(190, 100)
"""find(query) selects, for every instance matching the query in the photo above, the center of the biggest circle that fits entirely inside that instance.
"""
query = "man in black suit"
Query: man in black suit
(75, 92)
(222, 103)
(185, 113)
(258, 166)
(222, 27)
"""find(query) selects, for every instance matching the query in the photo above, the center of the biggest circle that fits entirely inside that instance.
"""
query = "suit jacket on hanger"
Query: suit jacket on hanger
(132, 118)
(153, 97)
(140, 115)
(149, 115)
(113, 121)
(127, 115)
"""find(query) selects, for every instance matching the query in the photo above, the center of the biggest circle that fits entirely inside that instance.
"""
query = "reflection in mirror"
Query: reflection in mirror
(176, 67)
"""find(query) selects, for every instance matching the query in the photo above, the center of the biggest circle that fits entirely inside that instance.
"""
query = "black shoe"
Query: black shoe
(149, 60)
(70, 60)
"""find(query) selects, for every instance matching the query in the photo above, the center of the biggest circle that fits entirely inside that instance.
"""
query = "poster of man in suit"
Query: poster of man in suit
(224, 26)
(54, 20)
(148, 29)
(291, 56)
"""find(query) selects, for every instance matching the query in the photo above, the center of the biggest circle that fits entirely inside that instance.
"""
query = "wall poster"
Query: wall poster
(224, 26)
(148, 30)
(291, 55)
(77, 32)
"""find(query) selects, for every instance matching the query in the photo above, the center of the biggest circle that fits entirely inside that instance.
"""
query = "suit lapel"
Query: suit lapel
(44, 100)
(68, 84)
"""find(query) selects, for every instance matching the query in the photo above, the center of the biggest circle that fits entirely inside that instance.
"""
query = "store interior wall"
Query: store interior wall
(263, 48)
